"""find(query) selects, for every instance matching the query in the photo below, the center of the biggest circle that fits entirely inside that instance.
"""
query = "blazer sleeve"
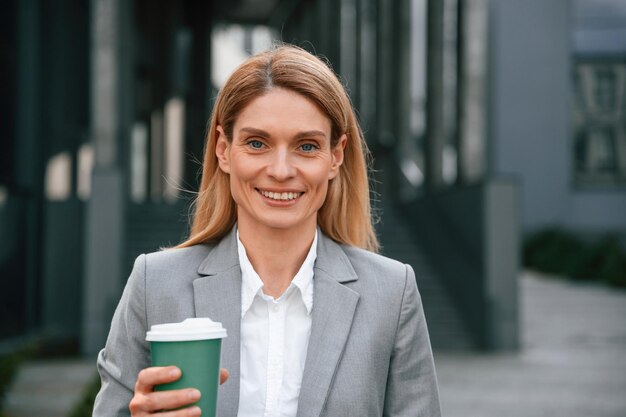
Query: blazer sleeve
(126, 351)
(412, 382)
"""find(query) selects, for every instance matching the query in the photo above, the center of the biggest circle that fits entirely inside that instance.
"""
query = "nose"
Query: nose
(280, 166)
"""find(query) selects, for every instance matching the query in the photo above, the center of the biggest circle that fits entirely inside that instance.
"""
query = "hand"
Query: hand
(147, 401)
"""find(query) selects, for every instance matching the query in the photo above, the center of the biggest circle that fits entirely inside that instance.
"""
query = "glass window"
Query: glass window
(599, 132)
(599, 96)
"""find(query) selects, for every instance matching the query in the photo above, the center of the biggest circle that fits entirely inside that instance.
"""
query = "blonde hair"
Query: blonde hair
(346, 214)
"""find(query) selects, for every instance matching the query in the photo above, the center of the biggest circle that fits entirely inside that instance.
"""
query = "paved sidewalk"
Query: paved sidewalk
(573, 363)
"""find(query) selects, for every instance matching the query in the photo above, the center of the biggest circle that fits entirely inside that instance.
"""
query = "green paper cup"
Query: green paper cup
(194, 346)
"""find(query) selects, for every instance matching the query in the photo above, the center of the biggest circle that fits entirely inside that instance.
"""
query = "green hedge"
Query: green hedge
(9, 365)
(557, 251)
(8, 368)
(84, 408)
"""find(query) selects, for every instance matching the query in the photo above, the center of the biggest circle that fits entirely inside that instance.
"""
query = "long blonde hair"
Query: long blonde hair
(346, 214)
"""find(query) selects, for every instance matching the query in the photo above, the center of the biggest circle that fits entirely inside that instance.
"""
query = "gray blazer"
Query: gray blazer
(369, 353)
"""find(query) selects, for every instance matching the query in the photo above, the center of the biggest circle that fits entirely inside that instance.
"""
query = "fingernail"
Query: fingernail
(174, 372)
(195, 411)
(194, 395)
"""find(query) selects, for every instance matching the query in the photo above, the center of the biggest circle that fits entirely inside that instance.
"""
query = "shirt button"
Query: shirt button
(275, 308)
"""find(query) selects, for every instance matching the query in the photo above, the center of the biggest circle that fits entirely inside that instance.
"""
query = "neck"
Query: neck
(276, 254)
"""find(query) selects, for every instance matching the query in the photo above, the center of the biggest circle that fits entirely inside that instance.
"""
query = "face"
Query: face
(280, 161)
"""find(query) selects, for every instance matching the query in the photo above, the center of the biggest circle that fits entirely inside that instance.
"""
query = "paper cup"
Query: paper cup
(194, 346)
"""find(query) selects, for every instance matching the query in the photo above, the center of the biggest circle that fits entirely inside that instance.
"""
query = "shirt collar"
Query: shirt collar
(253, 285)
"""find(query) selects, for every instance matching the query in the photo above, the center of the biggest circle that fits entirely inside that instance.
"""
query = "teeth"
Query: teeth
(280, 196)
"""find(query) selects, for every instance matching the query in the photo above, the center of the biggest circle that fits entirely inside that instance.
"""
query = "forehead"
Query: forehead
(282, 110)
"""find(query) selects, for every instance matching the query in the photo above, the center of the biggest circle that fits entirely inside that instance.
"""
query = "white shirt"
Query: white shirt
(274, 340)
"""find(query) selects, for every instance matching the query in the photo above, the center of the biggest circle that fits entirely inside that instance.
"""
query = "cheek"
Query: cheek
(318, 173)
(322, 183)
(321, 195)
(241, 174)
(242, 169)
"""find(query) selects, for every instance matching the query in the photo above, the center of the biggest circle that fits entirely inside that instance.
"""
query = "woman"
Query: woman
(281, 252)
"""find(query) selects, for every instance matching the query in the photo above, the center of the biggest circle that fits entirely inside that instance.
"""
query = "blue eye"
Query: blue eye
(256, 144)
(308, 147)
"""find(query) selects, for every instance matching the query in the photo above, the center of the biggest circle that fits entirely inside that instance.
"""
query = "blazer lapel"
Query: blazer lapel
(218, 296)
(334, 306)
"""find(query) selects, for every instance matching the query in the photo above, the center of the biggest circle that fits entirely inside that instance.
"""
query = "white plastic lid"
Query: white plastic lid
(188, 329)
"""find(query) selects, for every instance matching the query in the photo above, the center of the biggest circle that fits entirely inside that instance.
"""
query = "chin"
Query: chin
(283, 222)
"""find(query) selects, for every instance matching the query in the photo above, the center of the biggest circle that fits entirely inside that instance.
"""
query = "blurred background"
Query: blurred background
(498, 130)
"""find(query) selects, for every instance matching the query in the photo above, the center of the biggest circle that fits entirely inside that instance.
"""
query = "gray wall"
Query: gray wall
(530, 110)
(530, 99)
(594, 211)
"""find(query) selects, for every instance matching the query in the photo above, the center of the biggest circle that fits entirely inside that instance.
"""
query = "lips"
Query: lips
(280, 196)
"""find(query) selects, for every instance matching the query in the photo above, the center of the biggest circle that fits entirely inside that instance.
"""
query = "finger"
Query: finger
(171, 399)
(223, 375)
(149, 377)
(185, 412)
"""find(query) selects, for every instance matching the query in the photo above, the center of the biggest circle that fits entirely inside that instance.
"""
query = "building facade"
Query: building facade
(467, 106)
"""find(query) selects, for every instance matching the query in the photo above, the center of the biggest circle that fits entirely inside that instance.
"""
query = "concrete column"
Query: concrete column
(200, 95)
(472, 90)
(403, 76)
(29, 155)
(65, 34)
(385, 71)
(435, 131)
(501, 262)
(348, 46)
(367, 55)
(105, 208)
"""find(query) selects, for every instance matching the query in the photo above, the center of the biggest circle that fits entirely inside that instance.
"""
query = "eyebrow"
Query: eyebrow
(300, 135)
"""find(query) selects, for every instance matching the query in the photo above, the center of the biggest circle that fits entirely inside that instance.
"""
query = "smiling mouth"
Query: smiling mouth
(280, 196)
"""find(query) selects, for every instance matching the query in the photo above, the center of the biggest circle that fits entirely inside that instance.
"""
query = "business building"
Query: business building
(488, 119)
